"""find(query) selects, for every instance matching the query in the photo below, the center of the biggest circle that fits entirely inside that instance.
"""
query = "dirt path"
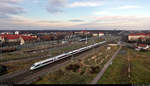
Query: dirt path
(100, 74)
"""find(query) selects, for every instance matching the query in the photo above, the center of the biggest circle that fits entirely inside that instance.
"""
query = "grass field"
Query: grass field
(140, 69)
(118, 73)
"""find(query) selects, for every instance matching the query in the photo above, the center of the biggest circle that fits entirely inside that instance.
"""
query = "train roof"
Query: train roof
(69, 52)
(45, 60)
(50, 58)
(60, 55)
(75, 50)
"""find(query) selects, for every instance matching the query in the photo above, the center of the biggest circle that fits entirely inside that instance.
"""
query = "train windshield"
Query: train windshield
(33, 65)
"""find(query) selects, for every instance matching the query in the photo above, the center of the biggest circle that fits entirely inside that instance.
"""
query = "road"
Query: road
(100, 74)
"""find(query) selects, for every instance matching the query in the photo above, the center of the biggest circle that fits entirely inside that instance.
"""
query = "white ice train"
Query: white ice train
(61, 56)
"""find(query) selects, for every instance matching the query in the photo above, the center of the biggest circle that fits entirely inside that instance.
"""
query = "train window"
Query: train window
(48, 61)
(37, 65)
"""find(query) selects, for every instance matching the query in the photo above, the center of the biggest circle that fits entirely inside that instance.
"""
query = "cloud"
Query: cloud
(118, 22)
(11, 1)
(128, 7)
(84, 4)
(101, 13)
(50, 21)
(10, 7)
(56, 6)
(23, 23)
(76, 20)
(98, 23)
(36, 1)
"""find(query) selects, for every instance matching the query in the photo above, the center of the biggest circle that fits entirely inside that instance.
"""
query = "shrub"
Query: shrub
(3, 69)
(73, 67)
(79, 60)
(82, 72)
(60, 72)
(94, 69)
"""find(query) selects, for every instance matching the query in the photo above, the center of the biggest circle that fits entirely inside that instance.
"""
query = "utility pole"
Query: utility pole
(72, 58)
(72, 55)
(86, 37)
(94, 48)
(71, 41)
(1, 48)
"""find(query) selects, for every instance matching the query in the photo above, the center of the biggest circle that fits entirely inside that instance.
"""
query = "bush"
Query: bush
(82, 72)
(73, 67)
(60, 72)
(94, 69)
(3, 69)
(79, 60)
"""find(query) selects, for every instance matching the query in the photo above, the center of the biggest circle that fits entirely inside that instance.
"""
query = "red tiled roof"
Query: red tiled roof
(142, 45)
(148, 34)
(10, 36)
(101, 32)
(136, 34)
(14, 36)
(142, 38)
(45, 37)
(28, 38)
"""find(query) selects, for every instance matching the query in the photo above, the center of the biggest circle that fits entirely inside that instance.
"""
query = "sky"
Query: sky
(74, 15)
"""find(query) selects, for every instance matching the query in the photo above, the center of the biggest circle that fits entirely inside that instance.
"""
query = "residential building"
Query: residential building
(15, 39)
(27, 39)
(9, 38)
(137, 36)
(17, 32)
(95, 34)
(101, 34)
(142, 47)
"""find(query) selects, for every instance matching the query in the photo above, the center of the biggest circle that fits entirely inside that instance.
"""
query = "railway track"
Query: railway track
(45, 49)
(27, 59)
(26, 76)
(33, 58)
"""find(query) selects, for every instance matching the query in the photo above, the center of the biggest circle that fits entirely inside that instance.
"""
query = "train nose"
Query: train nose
(31, 68)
